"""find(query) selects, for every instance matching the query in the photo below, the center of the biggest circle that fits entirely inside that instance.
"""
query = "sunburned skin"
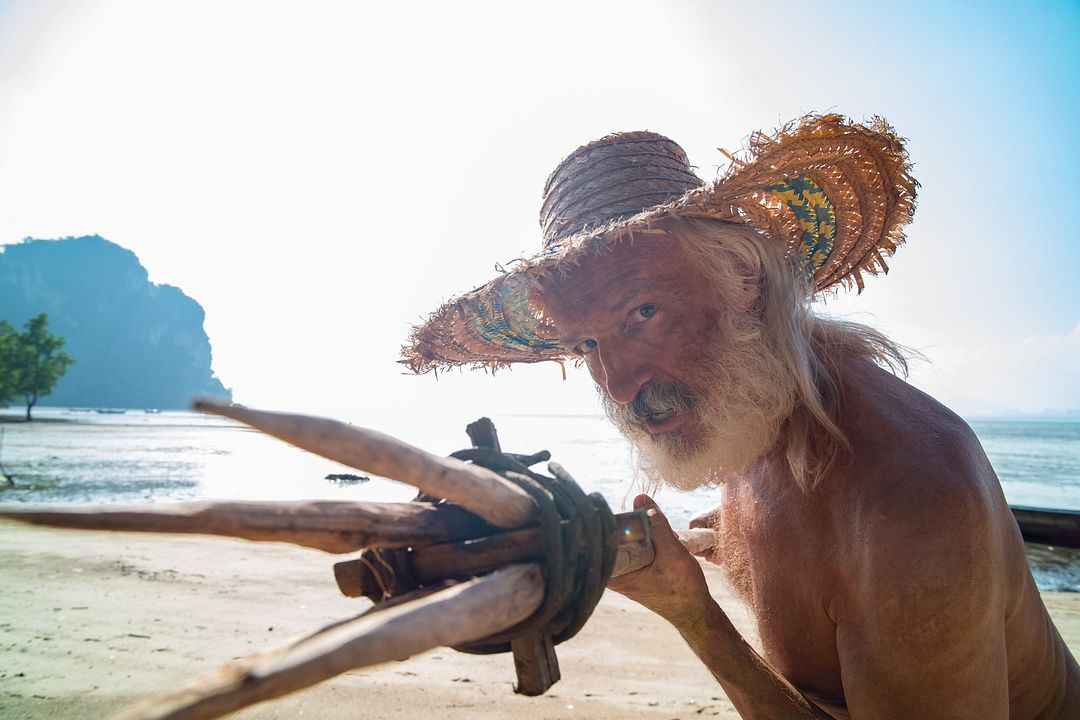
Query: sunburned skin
(897, 589)
(654, 318)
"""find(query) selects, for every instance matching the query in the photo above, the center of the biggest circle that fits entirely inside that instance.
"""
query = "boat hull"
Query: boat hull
(1053, 527)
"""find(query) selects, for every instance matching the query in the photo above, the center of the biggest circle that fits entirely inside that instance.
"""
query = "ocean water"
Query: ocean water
(81, 456)
(1037, 461)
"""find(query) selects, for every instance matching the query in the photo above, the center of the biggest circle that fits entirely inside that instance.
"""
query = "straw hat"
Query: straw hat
(836, 194)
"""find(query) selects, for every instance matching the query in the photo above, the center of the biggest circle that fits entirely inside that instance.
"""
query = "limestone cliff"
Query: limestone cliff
(136, 344)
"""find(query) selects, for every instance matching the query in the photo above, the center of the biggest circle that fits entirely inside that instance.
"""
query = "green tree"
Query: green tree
(36, 361)
(9, 338)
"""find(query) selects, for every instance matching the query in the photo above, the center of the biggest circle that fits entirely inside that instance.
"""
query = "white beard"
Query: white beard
(746, 395)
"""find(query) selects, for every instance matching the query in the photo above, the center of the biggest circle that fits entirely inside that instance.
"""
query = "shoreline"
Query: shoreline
(93, 622)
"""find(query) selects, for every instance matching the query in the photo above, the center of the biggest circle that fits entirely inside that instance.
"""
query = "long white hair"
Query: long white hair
(806, 350)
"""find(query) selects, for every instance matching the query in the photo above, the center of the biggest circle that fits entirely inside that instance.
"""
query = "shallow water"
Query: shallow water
(81, 456)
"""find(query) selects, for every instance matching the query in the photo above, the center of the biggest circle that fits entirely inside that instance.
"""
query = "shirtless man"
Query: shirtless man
(895, 587)
(861, 520)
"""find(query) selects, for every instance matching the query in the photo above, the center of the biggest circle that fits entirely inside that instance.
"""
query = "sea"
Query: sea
(80, 456)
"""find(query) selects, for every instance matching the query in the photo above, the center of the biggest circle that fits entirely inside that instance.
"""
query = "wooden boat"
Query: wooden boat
(1053, 527)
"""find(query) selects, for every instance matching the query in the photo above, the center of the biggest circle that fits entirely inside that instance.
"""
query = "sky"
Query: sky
(321, 175)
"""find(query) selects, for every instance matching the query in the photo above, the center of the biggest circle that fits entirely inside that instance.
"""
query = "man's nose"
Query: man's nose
(623, 374)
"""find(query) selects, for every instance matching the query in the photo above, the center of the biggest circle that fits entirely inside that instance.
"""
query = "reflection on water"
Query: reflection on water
(79, 456)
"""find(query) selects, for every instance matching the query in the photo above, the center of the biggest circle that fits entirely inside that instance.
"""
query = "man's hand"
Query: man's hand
(673, 585)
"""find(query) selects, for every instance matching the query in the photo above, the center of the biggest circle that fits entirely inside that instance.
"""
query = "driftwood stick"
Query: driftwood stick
(629, 558)
(333, 526)
(458, 615)
(697, 540)
(635, 556)
(535, 663)
(475, 488)
(482, 433)
(464, 559)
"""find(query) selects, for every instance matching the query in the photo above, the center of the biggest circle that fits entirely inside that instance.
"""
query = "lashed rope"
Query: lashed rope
(576, 558)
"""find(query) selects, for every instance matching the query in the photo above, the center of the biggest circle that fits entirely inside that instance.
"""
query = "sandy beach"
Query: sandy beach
(92, 622)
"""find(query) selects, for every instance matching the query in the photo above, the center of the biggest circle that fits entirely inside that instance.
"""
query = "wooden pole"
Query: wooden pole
(333, 526)
(463, 559)
(697, 540)
(475, 488)
(458, 615)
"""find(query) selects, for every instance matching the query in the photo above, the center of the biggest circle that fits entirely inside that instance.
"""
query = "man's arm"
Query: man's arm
(674, 587)
(920, 622)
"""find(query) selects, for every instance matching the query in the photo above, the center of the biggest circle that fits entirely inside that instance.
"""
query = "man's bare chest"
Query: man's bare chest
(784, 575)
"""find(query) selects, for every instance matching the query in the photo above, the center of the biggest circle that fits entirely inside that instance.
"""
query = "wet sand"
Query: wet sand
(92, 622)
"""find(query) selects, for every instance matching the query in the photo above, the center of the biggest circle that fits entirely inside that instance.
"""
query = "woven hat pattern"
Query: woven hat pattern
(612, 179)
(836, 194)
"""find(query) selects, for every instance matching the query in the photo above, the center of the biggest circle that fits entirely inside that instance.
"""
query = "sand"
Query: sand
(91, 622)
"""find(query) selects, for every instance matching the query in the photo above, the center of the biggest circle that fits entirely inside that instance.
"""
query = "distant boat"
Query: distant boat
(110, 411)
(1052, 527)
(152, 411)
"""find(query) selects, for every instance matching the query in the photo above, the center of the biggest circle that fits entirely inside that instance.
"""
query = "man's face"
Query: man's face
(636, 316)
(649, 325)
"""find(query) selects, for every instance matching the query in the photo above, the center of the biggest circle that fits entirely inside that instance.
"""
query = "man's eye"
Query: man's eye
(585, 346)
(643, 313)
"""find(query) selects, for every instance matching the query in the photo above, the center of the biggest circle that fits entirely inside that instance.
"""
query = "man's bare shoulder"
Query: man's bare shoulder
(918, 476)
(904, 439)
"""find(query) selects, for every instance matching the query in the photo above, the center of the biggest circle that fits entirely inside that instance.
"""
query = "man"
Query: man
(861, 521)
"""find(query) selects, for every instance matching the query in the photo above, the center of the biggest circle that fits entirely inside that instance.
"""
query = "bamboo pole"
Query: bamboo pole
(458, 615)
(475, 488)
(333, 526)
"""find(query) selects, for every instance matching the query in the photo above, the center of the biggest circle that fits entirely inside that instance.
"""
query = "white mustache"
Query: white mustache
(656, 400)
